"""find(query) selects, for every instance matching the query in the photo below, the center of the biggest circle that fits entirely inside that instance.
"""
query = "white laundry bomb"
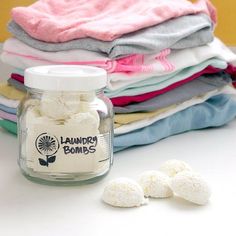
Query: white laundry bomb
(86, 107)
(173, 167)
(88, 96)
(155, 184)
(32, 102)
(85, 120)
(32, 114)
(191, 187)
(59, 105)
(123, 192)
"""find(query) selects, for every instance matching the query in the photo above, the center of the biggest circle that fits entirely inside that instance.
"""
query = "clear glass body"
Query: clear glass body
(65, 137)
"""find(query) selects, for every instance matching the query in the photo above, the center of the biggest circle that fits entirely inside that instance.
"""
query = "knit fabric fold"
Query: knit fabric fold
(137, 66)
(155, 86)
(167, 73)
(216, 111)
(137, 93)
(101, 19)
(126, 128)
(198, 87)
(178, 33)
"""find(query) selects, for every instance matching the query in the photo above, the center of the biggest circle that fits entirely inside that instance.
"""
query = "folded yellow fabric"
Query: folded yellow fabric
(123, 119)
(10, 92)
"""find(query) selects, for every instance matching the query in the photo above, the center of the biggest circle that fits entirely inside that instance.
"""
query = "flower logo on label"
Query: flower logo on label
(47, 145)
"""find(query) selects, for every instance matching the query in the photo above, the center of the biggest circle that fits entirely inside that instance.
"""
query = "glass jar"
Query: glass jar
(65, 125)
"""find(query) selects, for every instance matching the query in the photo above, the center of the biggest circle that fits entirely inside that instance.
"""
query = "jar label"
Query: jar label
(66, 149)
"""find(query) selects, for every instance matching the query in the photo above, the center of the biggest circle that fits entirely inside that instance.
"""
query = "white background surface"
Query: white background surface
(29, 209)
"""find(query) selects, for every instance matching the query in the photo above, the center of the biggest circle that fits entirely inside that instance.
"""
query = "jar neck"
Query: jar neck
(38, 92)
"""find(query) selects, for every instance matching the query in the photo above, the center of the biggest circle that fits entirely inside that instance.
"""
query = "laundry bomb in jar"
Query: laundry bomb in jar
(65, 125)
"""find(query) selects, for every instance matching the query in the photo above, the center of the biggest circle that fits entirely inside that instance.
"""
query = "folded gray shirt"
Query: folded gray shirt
(198, 87)
(178, 33)
(16, 84)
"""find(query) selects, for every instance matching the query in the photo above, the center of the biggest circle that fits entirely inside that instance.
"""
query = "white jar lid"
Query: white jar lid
(65, 78)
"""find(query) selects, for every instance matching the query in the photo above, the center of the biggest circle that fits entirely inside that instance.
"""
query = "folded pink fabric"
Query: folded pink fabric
(125, 100)
(17, 77)
(231, 69)
(64, 20)
(7, 116)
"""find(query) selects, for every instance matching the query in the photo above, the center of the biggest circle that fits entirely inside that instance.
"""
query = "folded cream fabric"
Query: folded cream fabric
(140, 67)
(148, 121)
(178, 33)
(64, 20)
(123, 119)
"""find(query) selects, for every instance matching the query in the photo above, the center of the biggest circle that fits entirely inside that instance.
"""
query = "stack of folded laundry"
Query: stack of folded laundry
(167, 72)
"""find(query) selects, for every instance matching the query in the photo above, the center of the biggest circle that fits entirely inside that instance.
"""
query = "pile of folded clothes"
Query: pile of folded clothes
(167, 72)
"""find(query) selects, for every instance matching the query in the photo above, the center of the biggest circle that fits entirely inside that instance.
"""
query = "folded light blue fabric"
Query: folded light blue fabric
(216, 111)
(8, 109)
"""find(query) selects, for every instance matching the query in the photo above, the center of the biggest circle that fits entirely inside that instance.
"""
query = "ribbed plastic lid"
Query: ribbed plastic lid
(65, 78)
